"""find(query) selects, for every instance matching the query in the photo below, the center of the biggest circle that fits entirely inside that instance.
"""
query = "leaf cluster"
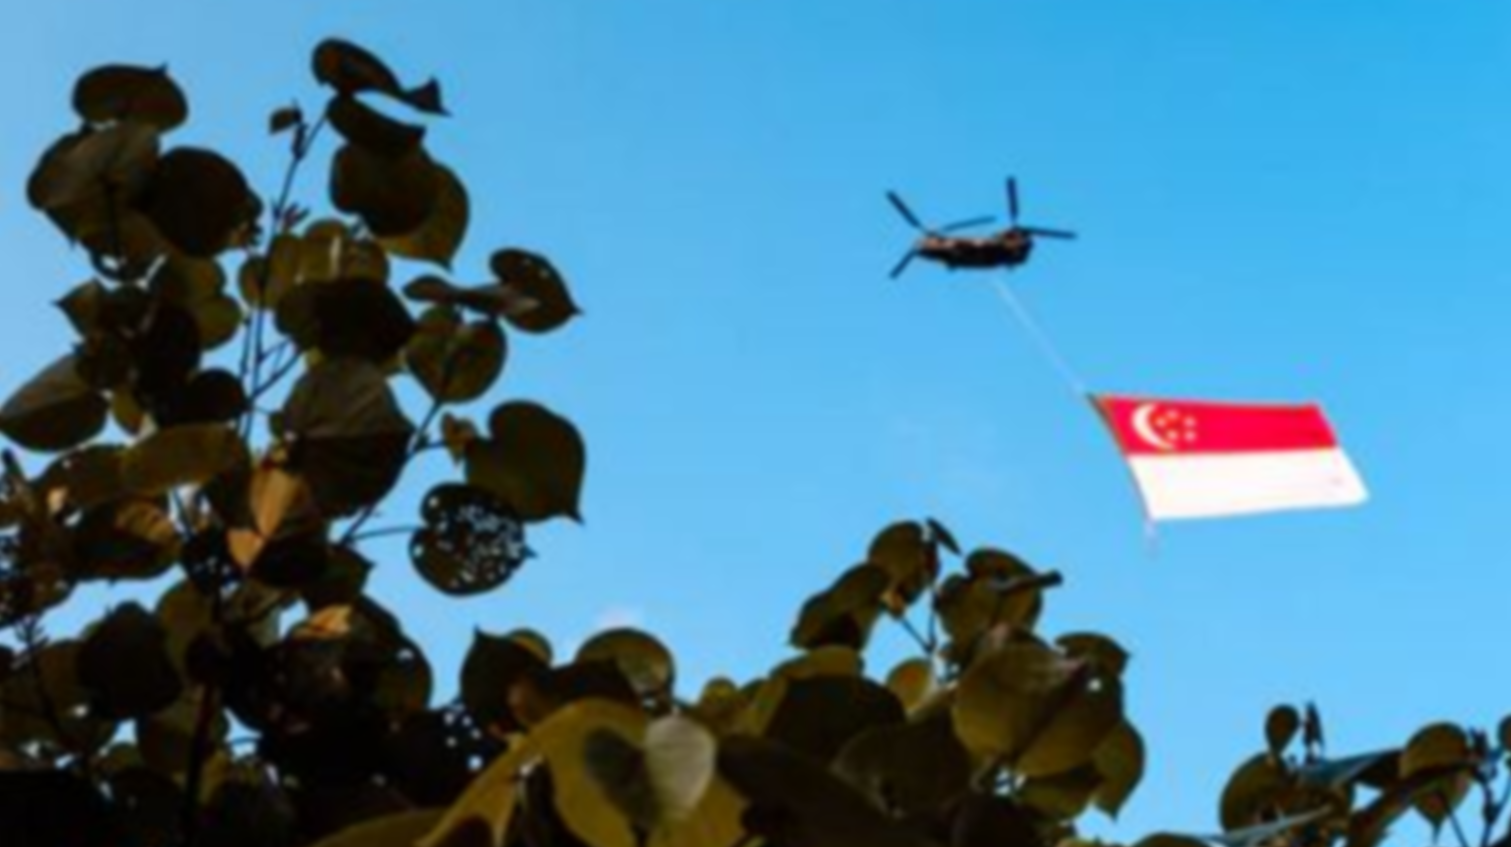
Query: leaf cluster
(224, 428)
(991, 734)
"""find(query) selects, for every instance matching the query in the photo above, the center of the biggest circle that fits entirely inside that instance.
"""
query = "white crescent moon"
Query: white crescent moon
(1144, 426)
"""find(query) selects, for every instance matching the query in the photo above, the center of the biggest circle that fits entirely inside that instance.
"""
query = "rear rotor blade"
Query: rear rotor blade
(903, 265)
(902, 209)
(968, 224)
(1012, 199)
(1040, 232)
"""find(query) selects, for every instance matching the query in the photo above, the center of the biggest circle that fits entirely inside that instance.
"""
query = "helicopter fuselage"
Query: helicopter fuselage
(1006, 249)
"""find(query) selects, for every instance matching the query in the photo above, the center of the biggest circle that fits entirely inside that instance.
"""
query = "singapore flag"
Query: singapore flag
(1196, 459)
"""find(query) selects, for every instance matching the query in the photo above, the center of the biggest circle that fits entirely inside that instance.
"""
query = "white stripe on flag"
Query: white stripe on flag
(1214, 484)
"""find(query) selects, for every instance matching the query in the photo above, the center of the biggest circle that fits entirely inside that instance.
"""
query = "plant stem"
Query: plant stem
(925, 644)
(385, 531)
(252, 353)
(415, 443)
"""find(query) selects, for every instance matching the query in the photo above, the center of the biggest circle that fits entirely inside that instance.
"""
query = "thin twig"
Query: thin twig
(924, 644)
(385, 531)
(415, 443)
(253, 354)
(278, 374)
(1453, 818)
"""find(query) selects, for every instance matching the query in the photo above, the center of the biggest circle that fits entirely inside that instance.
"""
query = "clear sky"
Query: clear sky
(1278, 200)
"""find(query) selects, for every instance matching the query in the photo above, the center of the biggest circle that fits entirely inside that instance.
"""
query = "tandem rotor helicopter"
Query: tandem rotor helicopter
(1006, 249)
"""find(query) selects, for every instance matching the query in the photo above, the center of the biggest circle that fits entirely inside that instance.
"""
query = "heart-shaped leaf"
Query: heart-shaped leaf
(192, 454)
(455, 362)
(348, 437)
(350, 69)
(130, 93)
(471, 542)
(200, 201)
(1036, 710)
(440, 235)
(534, 279)
(533, 460)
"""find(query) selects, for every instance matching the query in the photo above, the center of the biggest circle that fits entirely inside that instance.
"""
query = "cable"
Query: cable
(1041, 339)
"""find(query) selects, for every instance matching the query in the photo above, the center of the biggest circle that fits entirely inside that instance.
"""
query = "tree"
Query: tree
(265, 699)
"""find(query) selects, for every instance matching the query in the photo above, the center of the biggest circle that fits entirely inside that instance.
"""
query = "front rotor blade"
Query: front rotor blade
(968, 224)
(903, 265)
(1012, 199)
(902, 209)
(1049, 233)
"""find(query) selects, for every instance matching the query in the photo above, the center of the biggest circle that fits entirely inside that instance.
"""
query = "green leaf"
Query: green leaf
(821, 714)
(284, 119)
(593, 813)
(192, 454)
(393, 196)
(200, 202)
(1281, 727)
(50, 682)
(827, 660)
(493, 665)
(351, 439)
(1167, 839)
(455, 362)
(493, 300)
(909, 768)
(350, 69)
(998, 590)
(913, 682)
(1439, 746)
(845, 613)
(91, 165)
(906, 553)
(645, 662)
(264, 280)
(471, 542)
(366, 127)
(1104, 653)
(55, 411)
(84, 306)
(533, 459)
(401, 829)
(1439, 750)
(679, 758)
(356, 318)
(87, 477)
(1063, 796)
(1037, 711)
(530, 278)
(440, 235)
(124, 663)
(130, 93)
(1120, 762)
(127, 539)
(803, 804)
(1256, 786)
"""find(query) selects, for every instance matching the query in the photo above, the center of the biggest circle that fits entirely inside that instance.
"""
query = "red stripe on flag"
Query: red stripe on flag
(1149, 426)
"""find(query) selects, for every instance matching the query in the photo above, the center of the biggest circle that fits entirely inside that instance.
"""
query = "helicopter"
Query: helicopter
(1006, 249)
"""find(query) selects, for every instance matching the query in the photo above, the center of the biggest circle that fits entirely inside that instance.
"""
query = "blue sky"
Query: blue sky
(1280, 200)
